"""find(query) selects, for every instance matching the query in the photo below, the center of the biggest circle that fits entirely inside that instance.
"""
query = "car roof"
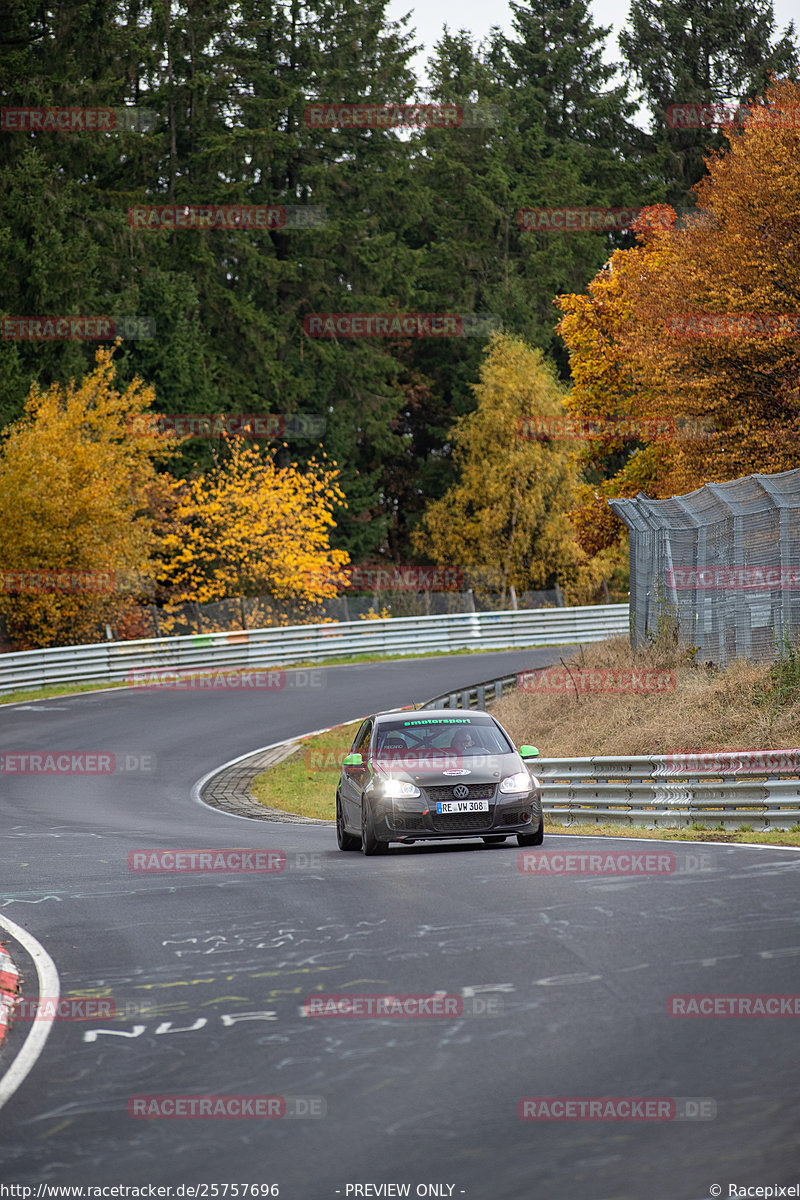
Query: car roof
(459, 716)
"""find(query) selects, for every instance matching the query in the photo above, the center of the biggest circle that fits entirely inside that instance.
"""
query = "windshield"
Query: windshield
(445, 736)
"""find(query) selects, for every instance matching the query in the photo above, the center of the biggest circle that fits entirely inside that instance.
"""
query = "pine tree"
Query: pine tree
(685, 53)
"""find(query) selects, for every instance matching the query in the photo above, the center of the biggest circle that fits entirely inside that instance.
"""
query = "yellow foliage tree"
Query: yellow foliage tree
(505, 520)
(75, 493)
(248, 527)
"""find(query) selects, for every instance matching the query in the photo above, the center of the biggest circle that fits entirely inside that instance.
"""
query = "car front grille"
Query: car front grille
(406, 822)
(477, 791)
(458, 822)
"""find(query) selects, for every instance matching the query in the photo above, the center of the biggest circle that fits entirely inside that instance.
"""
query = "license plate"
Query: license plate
(462, 806)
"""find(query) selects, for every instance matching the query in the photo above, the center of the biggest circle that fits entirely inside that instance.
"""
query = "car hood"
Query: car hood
(449, 772)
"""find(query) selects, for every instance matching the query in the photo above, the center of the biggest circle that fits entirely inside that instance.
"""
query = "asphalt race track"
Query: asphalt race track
(564, 979)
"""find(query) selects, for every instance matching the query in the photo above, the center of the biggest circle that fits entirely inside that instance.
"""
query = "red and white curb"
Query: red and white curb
(47, 984)
(9, 990)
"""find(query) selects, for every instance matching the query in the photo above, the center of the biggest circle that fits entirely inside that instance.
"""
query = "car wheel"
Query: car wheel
(347, 841)
(532, 839)
(369, 843)
(494, 841)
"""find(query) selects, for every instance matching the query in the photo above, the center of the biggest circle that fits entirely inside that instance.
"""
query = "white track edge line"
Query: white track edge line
(619, 837)
(49, 987)
(197, 787)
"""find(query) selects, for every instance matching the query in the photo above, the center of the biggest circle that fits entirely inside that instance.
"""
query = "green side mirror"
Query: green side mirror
(352, 760)
(528, 752)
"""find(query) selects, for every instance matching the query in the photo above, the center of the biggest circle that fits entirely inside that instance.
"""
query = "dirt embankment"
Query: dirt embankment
(691, 707)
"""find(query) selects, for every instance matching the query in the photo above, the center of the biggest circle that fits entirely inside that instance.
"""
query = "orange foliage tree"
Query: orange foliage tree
(679, 329)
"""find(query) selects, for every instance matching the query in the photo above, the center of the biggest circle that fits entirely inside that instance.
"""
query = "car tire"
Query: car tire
(346, 841)
(369, 843)
(532, 839)
(493, 840)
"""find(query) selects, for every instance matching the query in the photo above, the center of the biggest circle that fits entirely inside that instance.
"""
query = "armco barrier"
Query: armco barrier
(649, 791)
(653, 792)
(249, 649)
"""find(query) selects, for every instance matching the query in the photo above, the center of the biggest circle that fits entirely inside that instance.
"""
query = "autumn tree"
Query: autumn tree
(682, 326)
(75, 495)
(248, 527)
(606, 392)
(505, 518)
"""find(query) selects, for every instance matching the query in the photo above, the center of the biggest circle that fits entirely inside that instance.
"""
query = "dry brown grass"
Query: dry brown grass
(708, 710)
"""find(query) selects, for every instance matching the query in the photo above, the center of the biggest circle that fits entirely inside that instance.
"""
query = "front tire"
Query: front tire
(346, 841)
(369, 843)
(532, 839)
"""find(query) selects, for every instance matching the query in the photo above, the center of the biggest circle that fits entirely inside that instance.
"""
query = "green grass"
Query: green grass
(691, 833)
(57, 689)
(298, 784)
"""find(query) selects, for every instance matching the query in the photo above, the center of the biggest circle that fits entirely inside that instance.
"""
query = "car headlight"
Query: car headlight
(514, 784)
(398, 788)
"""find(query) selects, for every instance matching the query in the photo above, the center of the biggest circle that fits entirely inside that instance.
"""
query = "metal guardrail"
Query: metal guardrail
(475, 696)
(653, 791)
(251, 649)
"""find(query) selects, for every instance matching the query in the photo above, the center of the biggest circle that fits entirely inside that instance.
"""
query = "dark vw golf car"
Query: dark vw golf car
(425, 774)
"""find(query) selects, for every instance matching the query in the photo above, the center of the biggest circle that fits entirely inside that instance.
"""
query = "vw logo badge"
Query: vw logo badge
(461, 791)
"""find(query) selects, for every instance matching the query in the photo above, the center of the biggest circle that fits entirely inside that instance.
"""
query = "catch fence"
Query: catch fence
(720, 566)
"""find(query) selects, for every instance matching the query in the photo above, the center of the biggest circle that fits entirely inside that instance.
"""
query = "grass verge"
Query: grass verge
(749, 706)
(691, 833)
(305, 783)
(57, 689)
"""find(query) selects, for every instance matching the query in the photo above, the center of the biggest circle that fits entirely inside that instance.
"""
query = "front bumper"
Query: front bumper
(418, 818)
